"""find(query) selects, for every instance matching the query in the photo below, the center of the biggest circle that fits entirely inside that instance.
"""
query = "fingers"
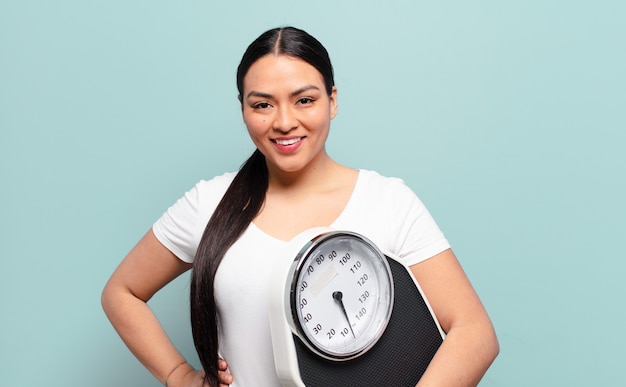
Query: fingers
(225, 377)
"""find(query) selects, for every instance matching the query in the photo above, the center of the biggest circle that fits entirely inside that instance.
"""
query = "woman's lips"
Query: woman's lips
(287, 145)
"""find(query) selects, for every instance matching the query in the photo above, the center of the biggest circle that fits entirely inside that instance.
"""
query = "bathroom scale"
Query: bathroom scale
(344, 313)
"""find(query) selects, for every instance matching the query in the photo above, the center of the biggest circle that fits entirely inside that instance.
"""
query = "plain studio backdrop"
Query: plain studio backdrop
(506, 117)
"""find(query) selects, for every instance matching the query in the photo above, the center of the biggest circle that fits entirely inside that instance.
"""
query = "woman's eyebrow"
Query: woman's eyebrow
(301, 90)
(258, 94)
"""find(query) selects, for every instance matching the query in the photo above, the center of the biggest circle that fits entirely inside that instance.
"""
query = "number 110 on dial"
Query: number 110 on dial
(341, 295)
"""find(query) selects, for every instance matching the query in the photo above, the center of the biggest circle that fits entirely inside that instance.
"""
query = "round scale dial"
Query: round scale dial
(341, 295)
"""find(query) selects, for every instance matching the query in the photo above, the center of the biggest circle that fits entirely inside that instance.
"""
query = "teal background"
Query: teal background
(506, 117)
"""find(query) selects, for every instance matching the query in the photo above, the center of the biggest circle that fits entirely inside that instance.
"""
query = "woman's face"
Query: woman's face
(287, 111)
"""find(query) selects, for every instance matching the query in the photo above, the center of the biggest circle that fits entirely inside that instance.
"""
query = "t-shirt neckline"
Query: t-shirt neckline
(337, 220)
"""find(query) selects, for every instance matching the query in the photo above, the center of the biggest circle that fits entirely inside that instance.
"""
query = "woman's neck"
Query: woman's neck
(316, 175)
(314, 197)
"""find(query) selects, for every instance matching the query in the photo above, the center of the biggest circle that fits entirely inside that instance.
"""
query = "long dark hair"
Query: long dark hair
(244, 198)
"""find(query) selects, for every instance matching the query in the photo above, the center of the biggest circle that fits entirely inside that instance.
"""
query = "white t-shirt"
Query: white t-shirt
(382, 209)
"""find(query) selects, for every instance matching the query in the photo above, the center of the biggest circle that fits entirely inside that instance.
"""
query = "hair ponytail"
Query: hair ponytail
(240, 204)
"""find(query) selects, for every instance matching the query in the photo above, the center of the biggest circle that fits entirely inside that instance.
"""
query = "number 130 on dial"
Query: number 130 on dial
(341, 295)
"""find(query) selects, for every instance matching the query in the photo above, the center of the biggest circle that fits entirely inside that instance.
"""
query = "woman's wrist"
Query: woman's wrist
(177, 372)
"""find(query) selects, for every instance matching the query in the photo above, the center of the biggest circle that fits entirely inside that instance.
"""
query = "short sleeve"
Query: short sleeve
(180, 228)
(388, 212)
(418, 235)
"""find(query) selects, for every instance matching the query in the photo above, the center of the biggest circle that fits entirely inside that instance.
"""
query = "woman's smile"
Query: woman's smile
(287, 144)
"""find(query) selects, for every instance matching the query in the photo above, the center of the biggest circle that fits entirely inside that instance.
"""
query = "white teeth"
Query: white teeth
(288, 142)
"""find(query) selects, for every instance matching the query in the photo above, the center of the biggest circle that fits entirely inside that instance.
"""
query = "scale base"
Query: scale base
(398, 359)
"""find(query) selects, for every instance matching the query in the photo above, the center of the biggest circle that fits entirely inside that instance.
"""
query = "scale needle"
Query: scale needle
(338, 296)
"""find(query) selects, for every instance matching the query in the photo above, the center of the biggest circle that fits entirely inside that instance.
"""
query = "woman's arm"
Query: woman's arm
(147, 268)
(470, 345)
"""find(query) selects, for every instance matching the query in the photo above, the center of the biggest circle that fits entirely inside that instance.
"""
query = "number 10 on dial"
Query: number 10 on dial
(341, 295)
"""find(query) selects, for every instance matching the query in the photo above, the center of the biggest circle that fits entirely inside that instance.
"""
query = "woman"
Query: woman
(289, 184)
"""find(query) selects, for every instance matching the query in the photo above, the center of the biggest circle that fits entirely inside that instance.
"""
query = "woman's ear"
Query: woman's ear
(333, 102)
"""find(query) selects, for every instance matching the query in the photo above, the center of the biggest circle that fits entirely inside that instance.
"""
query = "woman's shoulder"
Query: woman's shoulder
(219, 181)
(209, 188)
(205, 194)
(377, 177)
(373, 181)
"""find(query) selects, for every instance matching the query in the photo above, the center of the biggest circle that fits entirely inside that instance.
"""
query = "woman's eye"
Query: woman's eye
(305, 100)
(261, 105)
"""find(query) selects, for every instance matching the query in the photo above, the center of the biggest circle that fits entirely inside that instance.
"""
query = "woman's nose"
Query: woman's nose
(285, 120)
